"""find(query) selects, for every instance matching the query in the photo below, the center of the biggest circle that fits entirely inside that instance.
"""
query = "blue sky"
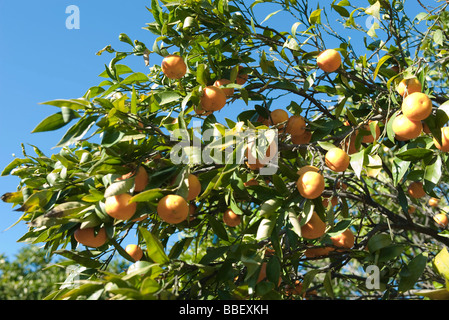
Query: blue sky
(41, 60)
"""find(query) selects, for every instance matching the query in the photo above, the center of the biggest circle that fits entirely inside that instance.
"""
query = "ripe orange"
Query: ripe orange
(416, 190)
(408, 86)
(263, 274)
(213, 99)
(310, 185)
(194, 187)
(174, 67)
(411, 209)
(173, 209)
(88, 237)
(444, 146)
(369, 138)
(318, 252)
(134, 251)
(306, 168)
(417, 106)
(251, 182)
(254, 160)
(406, 129)
(229, 92)
(329, 60)
(278, 116)
(441, 219)
(433, 202)
(118, 206)
(337, 159)
(140, 179)
(241, 77)
(296, 125)
(302, 138)
(345, 239)
(334, 201)
(350, 146)
(314, 228)
(231, 219)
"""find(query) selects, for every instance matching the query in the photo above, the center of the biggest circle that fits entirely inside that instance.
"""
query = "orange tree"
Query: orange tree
(230, 72)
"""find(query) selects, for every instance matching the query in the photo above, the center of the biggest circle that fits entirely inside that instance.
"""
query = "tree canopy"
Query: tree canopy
(244, 234)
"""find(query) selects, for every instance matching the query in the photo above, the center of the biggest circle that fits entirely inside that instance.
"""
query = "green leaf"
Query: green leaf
(55, 121)
(379, 64)
(432, 175)
(438, 294)
(315, 17)
(378, 241)
(155, 250)
(265, 228)
(213, 254)
(327, 283)
(438, 37)
(273, 269)
(77, 131)
(74, 104)
(411, 273)
(134, 78)
(119, 187)
(414, 154)
(217, 227)
(84, 258)
(356, 162)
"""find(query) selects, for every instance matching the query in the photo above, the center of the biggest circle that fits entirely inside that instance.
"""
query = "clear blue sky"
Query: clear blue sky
(41, 60)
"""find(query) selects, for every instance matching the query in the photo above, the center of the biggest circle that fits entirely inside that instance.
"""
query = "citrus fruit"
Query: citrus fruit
(406, 129)
(134, 251)
(212, 99)
(90, 238)
(369, 138)
(278, 116)
(417, 106)
(345, 239)
(174, 67)
(314, 228)
(302, 138)
(408, 86)
(296, 125)
(329, 60)
(433, 202)
(194, 187)
(306, 168)
(444, 146)
(231, 219)
(241, 77)
(140, 179)
(118, 206)
(229, 92)
(310, 185)
(441, 219)
(416, 190)
(337, 159)
(173, 209)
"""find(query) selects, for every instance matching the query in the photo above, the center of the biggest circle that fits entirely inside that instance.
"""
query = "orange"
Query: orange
(278, 116)
(174, 67)
(417, 106)
(194, 187)
(241, 77)
(310, 185)
(416, 190)
(254, 162)
(88, 237)
(140, 179)
(192, 211)
(334, 201)
(134, 251)
(329, 60)
(118, 206)
(222, 82)
(231, 219)
(306, 168)
(411, 209)
(369, 138)
(350, 146)
(408, 86)
(263, 274)
(441, 219)
(201, 112)
(406, 129)
(314, 228)
(444, 146)
(251, 182)
(302, 138)
(433, 202)
(296, 125)
(213, 99)
(318, 252)
(337, 159)
(345, 239)
(173, 209)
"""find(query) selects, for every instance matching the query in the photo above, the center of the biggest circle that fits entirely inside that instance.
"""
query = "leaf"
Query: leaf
(135, 77)
(217, 227)
(432, 175)
(151, 196)
(77, 131)
(379, 64)
(441, 263)
(270, 15)
(378, 241)
(119, 187)
(327, 283)
(410, 273)
(438, 37)
(74, 104)
(438, 294)
(213, 254)
(84, 258)
(55, 121)
(269, 207)
(356, 162)
(265, 228)
(155, 250)
(295, 222)
(414, 154)
(315, 17)
(374, 10)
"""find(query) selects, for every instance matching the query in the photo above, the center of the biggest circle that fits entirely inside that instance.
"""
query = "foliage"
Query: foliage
(128, 117)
